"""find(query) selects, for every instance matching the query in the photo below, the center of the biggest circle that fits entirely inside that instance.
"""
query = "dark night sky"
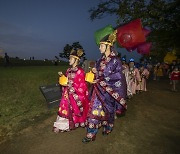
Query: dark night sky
(41, 28)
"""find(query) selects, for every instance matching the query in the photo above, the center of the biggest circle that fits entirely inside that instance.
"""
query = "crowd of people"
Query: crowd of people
(113, 82)
(138, 73)
(164, 70)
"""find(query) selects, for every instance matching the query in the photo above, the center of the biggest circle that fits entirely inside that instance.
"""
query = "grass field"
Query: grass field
(21, 102)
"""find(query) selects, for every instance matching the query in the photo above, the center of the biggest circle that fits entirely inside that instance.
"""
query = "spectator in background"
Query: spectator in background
(144, 74)
(159, 71)
(175, 77)
(6, 60)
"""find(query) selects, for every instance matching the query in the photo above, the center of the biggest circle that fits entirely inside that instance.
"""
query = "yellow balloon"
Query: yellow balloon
(170, 56)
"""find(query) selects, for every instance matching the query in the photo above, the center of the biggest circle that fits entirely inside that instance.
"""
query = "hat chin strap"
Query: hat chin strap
(107, 50)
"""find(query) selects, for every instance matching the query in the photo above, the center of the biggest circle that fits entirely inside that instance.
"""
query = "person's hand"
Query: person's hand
(94, 70)
(95, 81)
(60, 73)
(139, 82)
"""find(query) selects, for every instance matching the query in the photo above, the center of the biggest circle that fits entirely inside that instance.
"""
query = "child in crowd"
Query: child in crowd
(175, 77)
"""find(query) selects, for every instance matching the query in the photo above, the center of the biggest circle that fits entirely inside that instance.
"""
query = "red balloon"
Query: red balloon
(131, 34)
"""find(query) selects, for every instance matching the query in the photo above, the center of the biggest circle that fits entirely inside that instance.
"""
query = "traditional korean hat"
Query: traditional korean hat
(106, 35)
(123, 59)
(77, 53)
(131, 60)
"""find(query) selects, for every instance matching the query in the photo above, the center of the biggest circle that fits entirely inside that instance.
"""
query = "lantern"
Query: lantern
(89, 77)
(63, 80)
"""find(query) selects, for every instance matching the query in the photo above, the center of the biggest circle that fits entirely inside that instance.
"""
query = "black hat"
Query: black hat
(77, 53)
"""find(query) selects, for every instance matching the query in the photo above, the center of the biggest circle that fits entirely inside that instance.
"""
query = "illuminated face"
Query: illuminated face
(102, 48)
(123, 62)
(131, 64)
(71, 60)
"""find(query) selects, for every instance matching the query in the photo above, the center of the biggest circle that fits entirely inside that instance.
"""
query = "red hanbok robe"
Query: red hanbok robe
(74, 104)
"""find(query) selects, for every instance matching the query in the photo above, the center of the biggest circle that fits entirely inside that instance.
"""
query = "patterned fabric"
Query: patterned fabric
(126, 73)
(74, 103)
(134, 80)
(108, 94)
(144, 76)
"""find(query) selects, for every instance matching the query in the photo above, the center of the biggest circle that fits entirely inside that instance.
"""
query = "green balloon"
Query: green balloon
(101, 33)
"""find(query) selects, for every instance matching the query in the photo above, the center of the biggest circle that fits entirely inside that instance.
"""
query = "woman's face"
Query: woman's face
(71, 60)
(102, 48)
(131, 64)
(123, 62)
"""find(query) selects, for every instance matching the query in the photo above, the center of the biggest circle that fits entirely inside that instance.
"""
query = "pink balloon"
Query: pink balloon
(146, 32)
(144, 48)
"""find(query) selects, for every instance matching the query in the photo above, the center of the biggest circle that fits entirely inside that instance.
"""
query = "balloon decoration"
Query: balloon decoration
(144, 48)
(131, 36)
(170, 56)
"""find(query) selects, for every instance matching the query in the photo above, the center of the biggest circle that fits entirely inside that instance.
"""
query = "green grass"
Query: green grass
(21, 101)
(21, 62)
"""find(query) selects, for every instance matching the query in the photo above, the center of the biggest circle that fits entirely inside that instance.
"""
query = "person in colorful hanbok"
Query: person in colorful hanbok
(175, 77)
(126, 73)
(109, 90)
(134, 77)
(74, 103)
(144, 74)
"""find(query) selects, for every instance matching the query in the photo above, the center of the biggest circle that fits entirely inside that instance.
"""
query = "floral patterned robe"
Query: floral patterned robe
(144, 76)
(134, 80)
(108, 94)
(74, 104)
(126, 73)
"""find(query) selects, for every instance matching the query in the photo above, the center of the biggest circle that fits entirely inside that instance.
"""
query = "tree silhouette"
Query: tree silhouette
(67, 49)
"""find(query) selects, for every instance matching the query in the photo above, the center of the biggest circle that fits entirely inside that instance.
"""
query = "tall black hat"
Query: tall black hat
(77, 53)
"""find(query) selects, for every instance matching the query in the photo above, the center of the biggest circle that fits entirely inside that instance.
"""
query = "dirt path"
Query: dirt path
(150, 126)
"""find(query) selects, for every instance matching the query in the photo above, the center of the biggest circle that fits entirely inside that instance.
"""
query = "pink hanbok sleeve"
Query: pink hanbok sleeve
(80, 85)
(81, 90)
(146, 73)
(137, 75)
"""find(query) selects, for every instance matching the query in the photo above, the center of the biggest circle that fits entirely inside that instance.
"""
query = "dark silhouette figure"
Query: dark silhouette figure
(6, 60)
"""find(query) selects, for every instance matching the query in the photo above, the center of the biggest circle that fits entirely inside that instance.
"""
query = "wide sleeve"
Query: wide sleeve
(147, 74)
(80, 85)
(114, 71)
(137, 75)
